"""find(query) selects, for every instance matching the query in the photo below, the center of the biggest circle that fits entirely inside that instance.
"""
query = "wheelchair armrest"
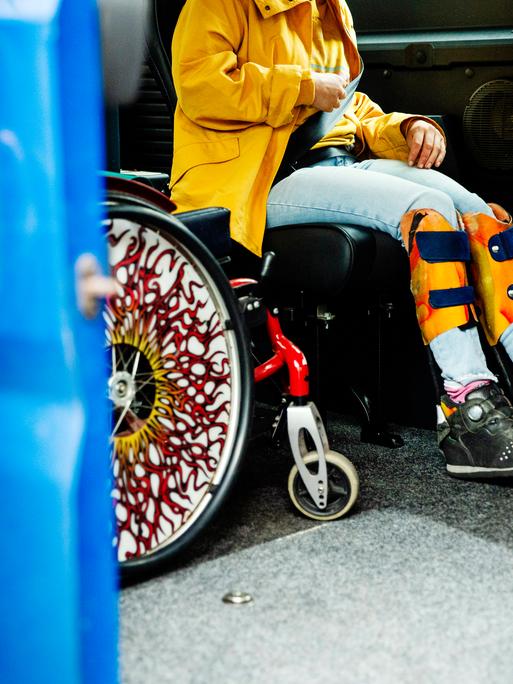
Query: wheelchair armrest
(211, 226)
(322, 260)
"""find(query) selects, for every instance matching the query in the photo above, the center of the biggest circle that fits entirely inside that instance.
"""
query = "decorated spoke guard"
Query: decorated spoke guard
(179, 385)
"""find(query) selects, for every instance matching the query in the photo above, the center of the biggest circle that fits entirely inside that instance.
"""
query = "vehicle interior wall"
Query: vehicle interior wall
(399, 15)
(454, 59)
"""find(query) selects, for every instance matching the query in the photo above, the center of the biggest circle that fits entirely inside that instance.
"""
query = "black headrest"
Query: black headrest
(122, 58)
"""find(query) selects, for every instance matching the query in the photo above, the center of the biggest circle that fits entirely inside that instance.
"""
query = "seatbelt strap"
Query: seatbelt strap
(314, 129)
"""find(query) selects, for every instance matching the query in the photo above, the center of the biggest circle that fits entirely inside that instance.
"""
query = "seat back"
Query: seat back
(146, 127)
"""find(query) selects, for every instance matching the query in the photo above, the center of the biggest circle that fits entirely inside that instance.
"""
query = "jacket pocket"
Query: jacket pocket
(189, 156)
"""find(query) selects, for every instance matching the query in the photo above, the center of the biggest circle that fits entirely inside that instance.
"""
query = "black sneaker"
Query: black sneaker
(476, 437)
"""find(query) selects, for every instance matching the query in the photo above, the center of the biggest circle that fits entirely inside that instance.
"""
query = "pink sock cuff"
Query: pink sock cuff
(459, 395)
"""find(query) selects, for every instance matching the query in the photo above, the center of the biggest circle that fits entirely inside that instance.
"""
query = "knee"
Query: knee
(438, 200)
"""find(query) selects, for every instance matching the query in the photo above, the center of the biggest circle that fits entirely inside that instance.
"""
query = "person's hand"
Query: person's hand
(427, 145)
(329, 91)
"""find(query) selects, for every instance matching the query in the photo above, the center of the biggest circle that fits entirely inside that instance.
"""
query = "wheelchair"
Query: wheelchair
(183, 418)
(181, 382)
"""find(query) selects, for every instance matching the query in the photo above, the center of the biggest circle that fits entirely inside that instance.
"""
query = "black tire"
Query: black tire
(180, 383)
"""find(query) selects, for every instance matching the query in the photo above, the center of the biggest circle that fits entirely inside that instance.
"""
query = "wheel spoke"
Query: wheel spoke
(149, 379)
(130, 358)
(121, 353)
(120, 420)
(146, 405)
(136, 363)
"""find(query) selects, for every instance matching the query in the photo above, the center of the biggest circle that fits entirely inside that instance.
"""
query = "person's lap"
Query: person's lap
(375, 193)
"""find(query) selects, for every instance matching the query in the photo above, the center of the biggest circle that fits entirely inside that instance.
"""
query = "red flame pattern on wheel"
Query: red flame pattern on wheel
(168, 343)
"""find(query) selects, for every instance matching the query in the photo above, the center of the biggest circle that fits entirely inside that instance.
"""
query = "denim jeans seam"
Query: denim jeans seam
(334, 211)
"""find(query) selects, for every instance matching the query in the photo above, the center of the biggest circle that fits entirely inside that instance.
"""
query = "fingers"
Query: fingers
(340, 89)
(341, 95)
(434, 148)
(427, 148)
(329, 91)
(432, 151)
(435, 153)
(441, 154)
(342, 80)
(417, 141)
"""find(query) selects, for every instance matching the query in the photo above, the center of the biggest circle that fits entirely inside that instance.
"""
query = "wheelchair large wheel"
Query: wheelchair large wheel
(180, 385)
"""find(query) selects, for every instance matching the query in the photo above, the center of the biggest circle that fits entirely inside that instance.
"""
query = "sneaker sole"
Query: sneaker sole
(478, 472)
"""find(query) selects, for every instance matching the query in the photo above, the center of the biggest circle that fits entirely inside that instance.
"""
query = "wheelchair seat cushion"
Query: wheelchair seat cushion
(322, 260)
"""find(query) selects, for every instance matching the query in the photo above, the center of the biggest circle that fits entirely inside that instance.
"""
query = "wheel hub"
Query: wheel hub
(121, 389)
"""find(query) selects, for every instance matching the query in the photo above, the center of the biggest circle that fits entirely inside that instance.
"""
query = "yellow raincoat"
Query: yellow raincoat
(241, 68)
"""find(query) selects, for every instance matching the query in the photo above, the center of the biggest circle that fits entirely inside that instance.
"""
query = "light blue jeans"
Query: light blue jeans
(375, 194)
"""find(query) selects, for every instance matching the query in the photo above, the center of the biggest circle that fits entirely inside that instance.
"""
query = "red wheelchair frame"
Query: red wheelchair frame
(312, 478)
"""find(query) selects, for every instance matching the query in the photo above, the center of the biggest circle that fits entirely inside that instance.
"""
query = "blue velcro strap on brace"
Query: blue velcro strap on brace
(442, 246)
(501, 245)
(454, 296)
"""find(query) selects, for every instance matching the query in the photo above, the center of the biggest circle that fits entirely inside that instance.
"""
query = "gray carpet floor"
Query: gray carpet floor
(414, 586)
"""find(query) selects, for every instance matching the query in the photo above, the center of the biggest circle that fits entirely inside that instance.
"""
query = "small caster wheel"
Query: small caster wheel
(343, 487)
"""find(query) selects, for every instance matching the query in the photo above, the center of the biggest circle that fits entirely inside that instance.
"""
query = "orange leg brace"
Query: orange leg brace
(491, 247)
(438, 253)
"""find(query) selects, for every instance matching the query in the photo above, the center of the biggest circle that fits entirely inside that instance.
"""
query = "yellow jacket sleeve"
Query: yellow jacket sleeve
(382, 134)
(213, 91)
